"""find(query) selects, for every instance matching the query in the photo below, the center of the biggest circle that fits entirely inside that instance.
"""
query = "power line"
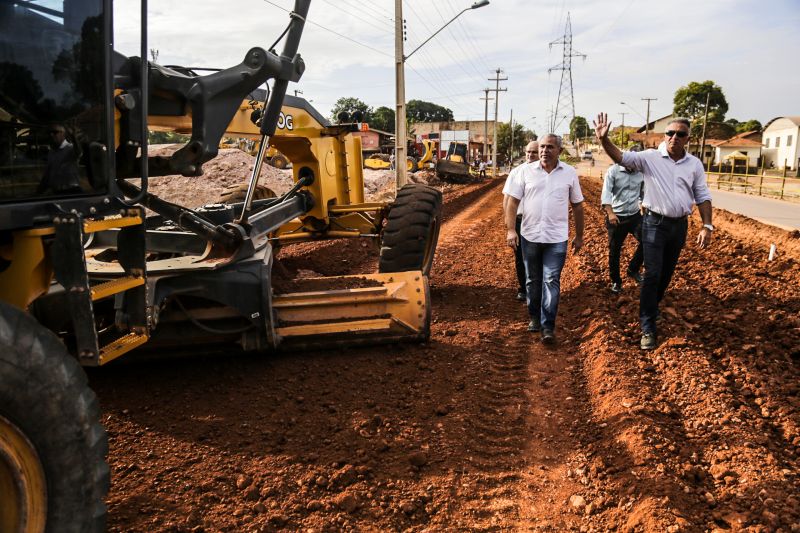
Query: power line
(369, 7)
(332, 31)
(427, 28)
(470, 40)
(458, 44)
(359, 17)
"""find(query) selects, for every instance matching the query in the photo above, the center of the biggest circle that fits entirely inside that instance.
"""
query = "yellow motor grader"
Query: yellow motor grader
(86, 277)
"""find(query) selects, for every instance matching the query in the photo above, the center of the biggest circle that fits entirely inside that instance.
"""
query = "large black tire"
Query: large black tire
(411, 230)
(235, 194)
(45, 397)
(412, 164)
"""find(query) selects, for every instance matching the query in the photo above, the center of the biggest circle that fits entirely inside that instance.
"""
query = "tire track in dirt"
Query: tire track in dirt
(520, 439)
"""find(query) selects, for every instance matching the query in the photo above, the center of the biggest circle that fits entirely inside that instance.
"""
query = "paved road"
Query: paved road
(775, 212)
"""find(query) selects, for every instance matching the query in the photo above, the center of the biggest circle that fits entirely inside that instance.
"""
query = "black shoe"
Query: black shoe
(616, 288)
(548, 337)
(635, 276)
(649, 341)
(521, 296)
(534, 326)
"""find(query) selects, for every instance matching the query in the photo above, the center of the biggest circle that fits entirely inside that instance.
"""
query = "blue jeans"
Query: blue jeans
(662, 242)
(543, 265)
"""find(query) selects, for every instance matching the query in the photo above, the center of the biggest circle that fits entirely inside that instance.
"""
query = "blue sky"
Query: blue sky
(634, 48)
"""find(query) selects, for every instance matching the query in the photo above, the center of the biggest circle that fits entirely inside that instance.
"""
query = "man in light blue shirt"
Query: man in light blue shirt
(674, 181)
(621, 198)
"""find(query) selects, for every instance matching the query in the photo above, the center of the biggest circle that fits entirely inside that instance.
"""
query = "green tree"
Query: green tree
(383, 119)
(522, 137)
(750, 125)
(350, 104)
(421, 111)
(579, 128)
(617, 136)
(690, 102)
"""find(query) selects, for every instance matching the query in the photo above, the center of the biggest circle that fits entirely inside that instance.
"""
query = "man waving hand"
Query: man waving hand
(673, 182)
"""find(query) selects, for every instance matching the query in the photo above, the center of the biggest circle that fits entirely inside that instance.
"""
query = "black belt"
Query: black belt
(664, 217)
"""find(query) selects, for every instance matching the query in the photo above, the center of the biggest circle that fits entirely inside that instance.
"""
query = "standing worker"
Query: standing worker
(531, 156)
(546, 189)
(673, 181)
(621, 200)
(482, 169)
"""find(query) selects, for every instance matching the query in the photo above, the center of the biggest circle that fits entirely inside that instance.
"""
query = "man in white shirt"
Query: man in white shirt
(674, 181)
(531, 156)
(546, 189)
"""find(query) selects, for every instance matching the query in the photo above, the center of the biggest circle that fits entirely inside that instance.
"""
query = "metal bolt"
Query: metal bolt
(57, 220)
(106, 201)
(92, 210)
(86, 354)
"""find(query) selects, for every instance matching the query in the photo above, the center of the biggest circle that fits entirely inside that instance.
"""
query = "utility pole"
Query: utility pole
(400, 96)
(497, 90)
(647, 123)
(511, 125)
(705, 121)
(623, 129)
(485, 120)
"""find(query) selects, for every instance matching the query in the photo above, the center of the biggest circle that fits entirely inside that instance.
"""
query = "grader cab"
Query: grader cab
(86, 276)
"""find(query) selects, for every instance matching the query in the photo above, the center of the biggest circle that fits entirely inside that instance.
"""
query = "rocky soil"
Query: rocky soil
(484, 428)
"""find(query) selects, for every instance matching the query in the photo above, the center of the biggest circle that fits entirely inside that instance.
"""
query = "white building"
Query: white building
(780, 140)
(738, 146)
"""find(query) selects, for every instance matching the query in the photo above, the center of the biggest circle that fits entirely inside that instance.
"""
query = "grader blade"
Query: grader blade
(378, 308)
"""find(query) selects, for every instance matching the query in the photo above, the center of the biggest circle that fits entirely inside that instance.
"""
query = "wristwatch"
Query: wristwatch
(709, 227)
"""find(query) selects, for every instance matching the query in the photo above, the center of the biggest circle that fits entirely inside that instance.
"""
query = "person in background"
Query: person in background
(621, 200)
(531, 156)
(482, 169)
(546, 190)
(61, 172)
(674, 181)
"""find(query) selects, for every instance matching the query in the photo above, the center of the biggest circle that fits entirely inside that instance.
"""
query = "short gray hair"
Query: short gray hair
(681, 120)
(556, 137)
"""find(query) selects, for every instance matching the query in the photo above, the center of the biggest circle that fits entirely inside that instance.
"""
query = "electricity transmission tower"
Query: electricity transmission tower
(565, 103)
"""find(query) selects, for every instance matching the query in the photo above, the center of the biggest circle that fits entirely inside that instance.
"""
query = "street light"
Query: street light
(400, 84)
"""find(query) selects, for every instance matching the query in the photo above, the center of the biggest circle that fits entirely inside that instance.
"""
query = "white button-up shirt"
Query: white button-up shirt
(671, 188)
(545, 199)
(511, 176)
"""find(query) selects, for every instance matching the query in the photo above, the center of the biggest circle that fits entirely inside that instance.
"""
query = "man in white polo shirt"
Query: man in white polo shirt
(546, 189)
(674, 181)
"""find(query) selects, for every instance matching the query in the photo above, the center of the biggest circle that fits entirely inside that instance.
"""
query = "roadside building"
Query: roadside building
(468, 130)
(780, 138)
(745, 146)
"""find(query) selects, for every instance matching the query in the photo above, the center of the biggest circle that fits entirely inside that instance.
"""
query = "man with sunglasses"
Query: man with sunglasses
(531, 156)
(674, 181)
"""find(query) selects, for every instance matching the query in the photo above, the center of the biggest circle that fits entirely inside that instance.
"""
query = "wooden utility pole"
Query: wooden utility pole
(647, 123)
(511, 125)
(486, 121)
(400, 97)
(623, 130)
(497, 90)
(705, 121)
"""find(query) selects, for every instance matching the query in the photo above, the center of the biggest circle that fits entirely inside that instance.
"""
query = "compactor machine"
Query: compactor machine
(86, 276)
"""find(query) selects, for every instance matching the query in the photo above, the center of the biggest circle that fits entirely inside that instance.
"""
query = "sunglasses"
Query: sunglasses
(680, 134)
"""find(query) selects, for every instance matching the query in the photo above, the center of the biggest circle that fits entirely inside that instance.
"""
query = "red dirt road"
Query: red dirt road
(483, 428)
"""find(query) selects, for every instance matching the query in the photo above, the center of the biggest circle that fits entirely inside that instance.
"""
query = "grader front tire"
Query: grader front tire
(53, 472)
(411, 230)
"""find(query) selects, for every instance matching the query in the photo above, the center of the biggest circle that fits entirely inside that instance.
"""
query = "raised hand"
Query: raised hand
(601, 126)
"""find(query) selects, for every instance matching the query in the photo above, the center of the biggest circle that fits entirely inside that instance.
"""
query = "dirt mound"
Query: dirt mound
(484, 428)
